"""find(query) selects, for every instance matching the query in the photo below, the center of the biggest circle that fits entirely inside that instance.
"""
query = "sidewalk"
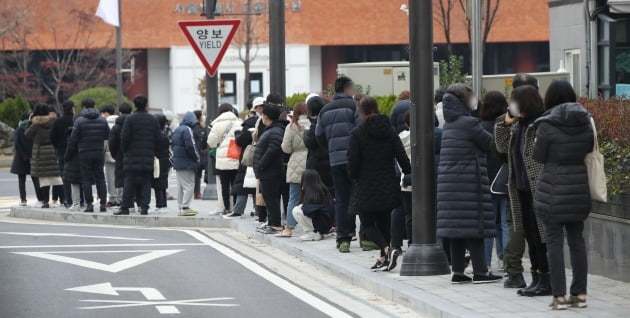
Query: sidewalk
(432, 296)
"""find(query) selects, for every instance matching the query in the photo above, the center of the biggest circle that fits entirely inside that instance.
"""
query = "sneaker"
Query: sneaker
(344, 247)
(157, 211)
(215, 213)
(380, 265)
(516, 281)
(499, 265)
(576, 302)
(122, 212)
(45, 206)
(89, 209)
(369, 246)
(226, 212)
(392, 256)
(461, 279)
(311, 236)
(487, 278)
(558, 304)
(23, 203)
(268, 230)
(75, 208)
(103, 208)
(187, 212)
(231, 216)
(261, 225)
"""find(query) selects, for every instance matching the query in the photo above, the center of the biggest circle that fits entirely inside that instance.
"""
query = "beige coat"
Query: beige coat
(293, 144)
(222, 132)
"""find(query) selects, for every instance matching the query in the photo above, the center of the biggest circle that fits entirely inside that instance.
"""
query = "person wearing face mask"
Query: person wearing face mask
(515, 135)
(464, 204)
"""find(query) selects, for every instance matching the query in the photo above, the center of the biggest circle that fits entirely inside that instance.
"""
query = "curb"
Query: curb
(396, 291)
(131, 220)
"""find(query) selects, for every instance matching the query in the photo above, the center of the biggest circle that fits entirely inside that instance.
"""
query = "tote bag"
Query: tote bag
(250, 179)
(499, 184)
(594, 162)
(248, 156)
(234, 151)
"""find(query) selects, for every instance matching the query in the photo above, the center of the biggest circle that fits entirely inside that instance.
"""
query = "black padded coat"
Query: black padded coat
(268, 156)
(139, 141)
(563, 138)
(464, 204)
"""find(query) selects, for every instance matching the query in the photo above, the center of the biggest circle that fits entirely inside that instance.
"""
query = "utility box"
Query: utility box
(383, 78)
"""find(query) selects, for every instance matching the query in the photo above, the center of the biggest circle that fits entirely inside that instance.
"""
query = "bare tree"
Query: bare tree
(247, 41)
(490, 9)
(443, 17)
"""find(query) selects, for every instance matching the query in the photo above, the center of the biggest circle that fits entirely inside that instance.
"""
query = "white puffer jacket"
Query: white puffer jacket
(222, 132)
(293, 144)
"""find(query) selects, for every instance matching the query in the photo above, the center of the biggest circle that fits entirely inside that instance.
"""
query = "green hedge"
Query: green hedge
(385, 103)
(296, 98)
(11, 110)
(101, 96)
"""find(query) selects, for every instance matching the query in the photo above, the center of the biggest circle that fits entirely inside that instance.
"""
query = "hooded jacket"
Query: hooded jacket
(185, 156)
(44, 158)
(293, 144)
(59, 131)
(89, 133)
(336, 121)
(398, 115)
(563, 138)
(23, 148)
(139, 141)
(464, 204)
(268, 156)
(373, 151)
(222, 132)
(115, 149)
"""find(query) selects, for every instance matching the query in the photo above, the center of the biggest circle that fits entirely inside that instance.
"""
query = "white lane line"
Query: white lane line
(14, 247)
(289, 287)
(116, 267)
(77, 235)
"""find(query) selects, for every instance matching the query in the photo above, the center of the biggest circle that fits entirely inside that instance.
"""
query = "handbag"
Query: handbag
(499, 184)
(156, 168)
(234, 151)
(594, 162)
(248, 155)
(250, 179)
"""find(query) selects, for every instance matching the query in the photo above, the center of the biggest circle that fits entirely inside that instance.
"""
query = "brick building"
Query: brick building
(320, 34)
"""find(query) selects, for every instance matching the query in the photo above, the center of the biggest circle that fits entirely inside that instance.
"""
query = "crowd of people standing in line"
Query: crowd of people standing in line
(509, 171)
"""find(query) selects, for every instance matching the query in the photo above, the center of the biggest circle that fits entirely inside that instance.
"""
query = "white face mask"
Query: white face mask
(514, 109)
(473, 103)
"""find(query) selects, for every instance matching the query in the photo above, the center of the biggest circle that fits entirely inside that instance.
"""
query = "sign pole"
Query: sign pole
(212, 102)
(424, 257)
(277, 67)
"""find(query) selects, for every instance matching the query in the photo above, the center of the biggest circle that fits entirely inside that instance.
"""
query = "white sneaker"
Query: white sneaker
(261, 225)
(23, 203)
(76, 208)
(215, 213)
(499, 265)
(157, 211)
(311, 236)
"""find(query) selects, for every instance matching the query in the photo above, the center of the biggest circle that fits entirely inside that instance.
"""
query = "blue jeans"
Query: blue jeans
(343, 188)
(295, 190)
(499, 206)
(241, 203)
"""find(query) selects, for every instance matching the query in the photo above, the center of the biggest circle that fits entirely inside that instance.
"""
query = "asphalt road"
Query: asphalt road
(87, 271)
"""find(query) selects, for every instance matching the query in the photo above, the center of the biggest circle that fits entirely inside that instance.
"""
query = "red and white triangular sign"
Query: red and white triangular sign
(210, 39)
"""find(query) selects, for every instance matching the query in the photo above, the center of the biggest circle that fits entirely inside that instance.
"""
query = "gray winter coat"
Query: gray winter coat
(563, 138)
(464, 204)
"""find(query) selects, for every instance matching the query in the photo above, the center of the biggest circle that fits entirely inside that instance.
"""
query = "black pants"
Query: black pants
(271, 190)
(261, 212)
(67, 192)
(401, 222)
(198, 175)
(44, 194)
(477, 255)
(537, 250)
(346, 225)
(515, 248)
(138, 186)
(227, 178)
(376, 228)
(160, 198)
(92, 165)
(57, 193)
(555, 253)
(22, 187)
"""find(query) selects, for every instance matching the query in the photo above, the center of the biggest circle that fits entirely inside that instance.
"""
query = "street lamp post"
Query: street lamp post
(424, 257)
(212, 102)
(277, 75)
(476, 46)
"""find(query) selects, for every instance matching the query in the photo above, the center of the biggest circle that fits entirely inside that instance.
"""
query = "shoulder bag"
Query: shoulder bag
(594, 162)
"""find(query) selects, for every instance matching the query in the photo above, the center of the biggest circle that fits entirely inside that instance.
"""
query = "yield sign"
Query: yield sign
(210, 40)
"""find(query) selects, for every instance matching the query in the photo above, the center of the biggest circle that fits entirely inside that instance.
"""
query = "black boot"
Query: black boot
(543, 288)
(516, 281)
(89, 208)
(533, 286)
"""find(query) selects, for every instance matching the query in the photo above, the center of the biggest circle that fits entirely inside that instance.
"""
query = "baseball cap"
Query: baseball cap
(258, 101)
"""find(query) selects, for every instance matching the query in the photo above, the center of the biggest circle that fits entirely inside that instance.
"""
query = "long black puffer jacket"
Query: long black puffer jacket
(563, 139)
(89, 133)
(317, 158)
(23, 148)
(464, 205)
(140, 136)
(163, 153)
(268, 156)
(72, 165)
(372, 152)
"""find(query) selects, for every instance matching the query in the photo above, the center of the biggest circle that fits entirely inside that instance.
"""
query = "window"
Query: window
(572, 65)
(613, 55)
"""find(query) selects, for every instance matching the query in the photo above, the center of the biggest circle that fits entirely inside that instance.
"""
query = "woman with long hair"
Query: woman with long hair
(315, 211)
(373, 148)
(515, 134)
(562, 199)
(293, 145)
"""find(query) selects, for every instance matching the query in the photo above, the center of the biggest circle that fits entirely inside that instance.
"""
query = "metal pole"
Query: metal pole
(212, 103)
(477, 47)
(119, 81)
(424, 257)
(277, 75)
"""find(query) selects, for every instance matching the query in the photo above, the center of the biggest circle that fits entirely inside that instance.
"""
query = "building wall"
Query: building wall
(158, 78)
(567, 31)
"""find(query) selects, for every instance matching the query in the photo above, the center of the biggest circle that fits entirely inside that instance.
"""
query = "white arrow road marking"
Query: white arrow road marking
(77, 235)
(162, 306)
(116, 267)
